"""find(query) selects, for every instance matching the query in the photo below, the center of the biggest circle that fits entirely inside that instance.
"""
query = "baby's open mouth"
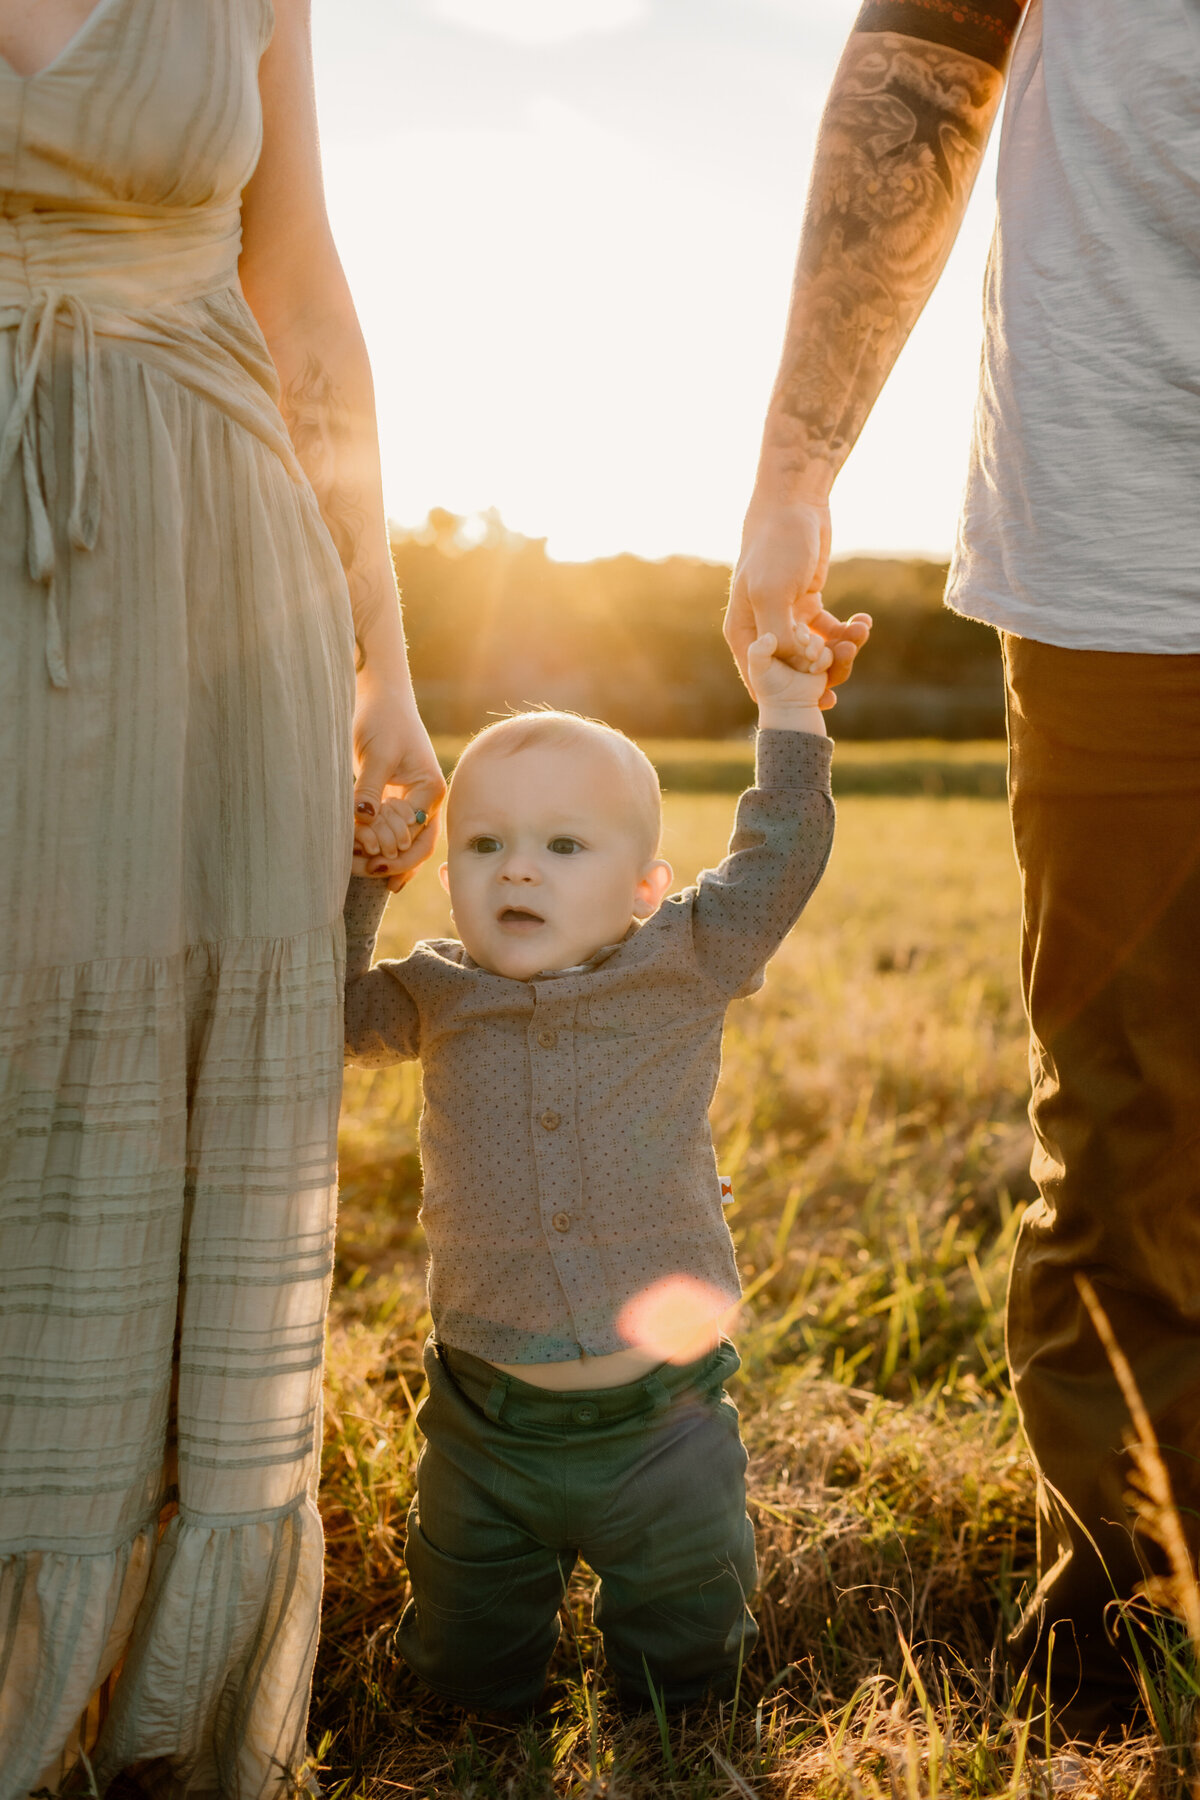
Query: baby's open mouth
(520, 915)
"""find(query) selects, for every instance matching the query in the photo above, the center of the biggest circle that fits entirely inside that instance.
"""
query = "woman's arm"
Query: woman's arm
(294, 284)
(900, 144)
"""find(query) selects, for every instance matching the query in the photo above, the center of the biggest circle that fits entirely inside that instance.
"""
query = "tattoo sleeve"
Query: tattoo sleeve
(901, 141)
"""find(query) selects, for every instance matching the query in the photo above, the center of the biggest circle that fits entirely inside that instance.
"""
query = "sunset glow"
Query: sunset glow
(569, 225)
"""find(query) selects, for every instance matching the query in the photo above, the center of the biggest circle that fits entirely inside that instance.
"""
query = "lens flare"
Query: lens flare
(677, 1319)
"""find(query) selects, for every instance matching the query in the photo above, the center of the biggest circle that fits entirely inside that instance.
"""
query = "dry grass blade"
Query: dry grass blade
(1155, 1501)
(736, 1781)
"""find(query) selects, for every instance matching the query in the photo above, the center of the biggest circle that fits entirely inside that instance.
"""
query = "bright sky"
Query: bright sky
(569, 226)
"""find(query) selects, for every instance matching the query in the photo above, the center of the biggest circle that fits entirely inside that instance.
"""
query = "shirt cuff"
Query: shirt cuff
(793, 759)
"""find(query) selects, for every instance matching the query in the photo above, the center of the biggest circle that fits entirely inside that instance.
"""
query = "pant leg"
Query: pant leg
(483, 1620)
(675, 1555)
(1105, 762)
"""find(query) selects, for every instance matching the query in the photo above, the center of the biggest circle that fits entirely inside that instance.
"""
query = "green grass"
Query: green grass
(872, 1115)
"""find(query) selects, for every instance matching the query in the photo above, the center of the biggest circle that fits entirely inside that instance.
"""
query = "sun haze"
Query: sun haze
(569, 226)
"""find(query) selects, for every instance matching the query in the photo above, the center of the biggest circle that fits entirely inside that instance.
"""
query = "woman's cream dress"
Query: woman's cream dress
(175, 694)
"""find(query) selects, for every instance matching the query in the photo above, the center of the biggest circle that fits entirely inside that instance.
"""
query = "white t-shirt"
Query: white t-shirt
(1081, 519)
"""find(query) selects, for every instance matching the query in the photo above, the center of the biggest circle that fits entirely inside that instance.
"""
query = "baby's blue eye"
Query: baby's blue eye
(564, 846)
(484, 846)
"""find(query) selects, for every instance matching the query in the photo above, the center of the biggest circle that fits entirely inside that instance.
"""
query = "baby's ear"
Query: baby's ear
(651, 889)
(444, 876)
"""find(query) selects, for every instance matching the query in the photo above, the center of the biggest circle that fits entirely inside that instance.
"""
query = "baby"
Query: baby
(580, 1265)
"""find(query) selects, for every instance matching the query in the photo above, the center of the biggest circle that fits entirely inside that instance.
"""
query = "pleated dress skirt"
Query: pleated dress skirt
(176, 677)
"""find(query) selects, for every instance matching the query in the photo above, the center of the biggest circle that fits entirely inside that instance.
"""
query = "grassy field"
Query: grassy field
(871, 1113)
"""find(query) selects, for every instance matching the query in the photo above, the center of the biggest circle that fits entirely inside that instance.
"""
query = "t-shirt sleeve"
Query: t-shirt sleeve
(742, 911)
(981, 28)
(382, 1023)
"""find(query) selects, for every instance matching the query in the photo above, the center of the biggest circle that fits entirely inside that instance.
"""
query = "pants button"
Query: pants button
(586, 1414)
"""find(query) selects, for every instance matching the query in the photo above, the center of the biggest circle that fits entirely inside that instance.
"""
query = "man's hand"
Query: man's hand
(777, 591)
(778, 579)
(900, 144)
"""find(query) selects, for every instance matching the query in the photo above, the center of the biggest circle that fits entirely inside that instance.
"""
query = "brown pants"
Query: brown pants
(1105, 784)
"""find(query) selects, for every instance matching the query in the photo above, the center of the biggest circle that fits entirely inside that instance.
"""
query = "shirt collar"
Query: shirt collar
(584, 968)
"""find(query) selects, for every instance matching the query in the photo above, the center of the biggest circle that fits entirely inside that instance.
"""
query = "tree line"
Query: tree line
(494, 623)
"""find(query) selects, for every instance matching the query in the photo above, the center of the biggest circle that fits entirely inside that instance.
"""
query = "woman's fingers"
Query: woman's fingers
(408, 861)
(424, 796)
(368, 789)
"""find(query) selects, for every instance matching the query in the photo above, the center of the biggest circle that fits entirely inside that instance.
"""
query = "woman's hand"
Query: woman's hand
(396, 763)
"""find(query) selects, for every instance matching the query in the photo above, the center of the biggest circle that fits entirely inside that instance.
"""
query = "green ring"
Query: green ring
(420, 816)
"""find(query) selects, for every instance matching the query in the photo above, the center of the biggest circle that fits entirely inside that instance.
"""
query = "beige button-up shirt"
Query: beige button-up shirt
(565, 1141)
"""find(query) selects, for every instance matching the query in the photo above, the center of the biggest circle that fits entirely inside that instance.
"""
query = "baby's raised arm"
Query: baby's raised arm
(382, 1024)
(742, 911)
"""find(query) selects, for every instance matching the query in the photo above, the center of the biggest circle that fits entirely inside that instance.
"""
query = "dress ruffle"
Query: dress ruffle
(177, 1123)
(213, 1689)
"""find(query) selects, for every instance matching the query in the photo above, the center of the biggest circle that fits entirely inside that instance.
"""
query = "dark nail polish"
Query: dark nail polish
(365, 810)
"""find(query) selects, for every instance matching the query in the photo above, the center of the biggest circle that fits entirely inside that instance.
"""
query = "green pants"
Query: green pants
(646, 1482)
(1105, 760)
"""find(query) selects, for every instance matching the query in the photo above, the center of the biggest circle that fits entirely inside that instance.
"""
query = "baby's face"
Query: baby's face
(548, 859)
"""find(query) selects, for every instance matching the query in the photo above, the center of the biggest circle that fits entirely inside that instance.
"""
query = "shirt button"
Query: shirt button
(550, 1121)
(547, 1039)
(586, 1414)
(561, 1221)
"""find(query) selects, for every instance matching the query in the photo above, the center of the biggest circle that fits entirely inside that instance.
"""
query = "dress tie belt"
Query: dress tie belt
(29, 434)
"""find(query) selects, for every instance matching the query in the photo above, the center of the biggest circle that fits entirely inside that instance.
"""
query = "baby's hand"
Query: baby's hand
(789, 695)
(378, 845)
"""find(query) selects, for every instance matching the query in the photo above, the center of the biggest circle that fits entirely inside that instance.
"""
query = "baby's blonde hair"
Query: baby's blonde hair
(541, 727)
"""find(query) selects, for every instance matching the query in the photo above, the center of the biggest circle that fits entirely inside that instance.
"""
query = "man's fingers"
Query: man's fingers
(775, 615)
(842, 663)
(854, 630)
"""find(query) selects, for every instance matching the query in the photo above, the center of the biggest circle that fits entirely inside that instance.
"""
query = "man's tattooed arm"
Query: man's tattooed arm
(900, 145)
(899, 148)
